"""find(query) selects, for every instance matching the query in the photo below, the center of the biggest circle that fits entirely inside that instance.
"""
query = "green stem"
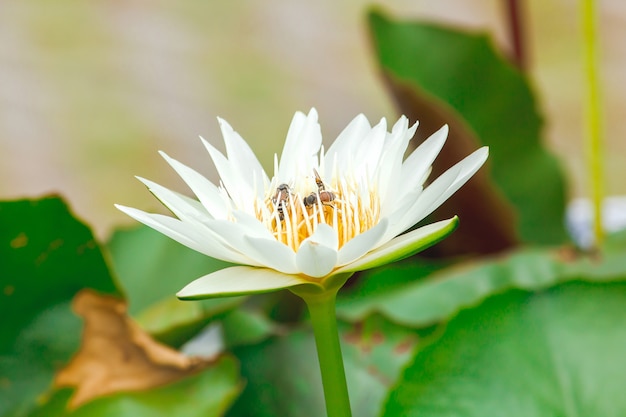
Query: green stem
(322, 311)
(594, 139)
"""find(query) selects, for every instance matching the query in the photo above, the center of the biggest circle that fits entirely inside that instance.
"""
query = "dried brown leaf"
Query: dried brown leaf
(117, 355)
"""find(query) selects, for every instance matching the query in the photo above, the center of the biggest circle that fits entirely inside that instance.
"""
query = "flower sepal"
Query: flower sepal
(404, 245)
(242, 280)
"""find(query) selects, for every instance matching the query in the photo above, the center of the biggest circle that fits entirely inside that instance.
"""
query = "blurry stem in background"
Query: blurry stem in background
(593, 137)
(516, 33)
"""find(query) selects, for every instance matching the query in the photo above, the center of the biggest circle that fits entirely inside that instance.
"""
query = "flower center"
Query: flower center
(293, 214)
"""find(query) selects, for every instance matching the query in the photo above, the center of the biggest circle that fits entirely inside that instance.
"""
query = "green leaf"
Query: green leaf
(152, 268)
(439, 71)
(557, 352)
(284, 378)
(417, 295)
(207, 394)
(243, 327)
(174, 322)
(378, 287)
(46, 257)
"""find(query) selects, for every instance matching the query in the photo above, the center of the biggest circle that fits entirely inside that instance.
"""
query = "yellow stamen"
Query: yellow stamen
(348, 214)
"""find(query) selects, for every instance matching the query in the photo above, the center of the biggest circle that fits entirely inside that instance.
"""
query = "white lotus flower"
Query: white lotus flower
(322, 216)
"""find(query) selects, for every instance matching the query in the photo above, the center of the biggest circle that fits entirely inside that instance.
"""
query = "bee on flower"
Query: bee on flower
(287, 230)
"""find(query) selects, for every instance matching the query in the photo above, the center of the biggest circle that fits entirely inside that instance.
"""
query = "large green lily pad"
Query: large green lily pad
(558, 352)
(46, 257)
(443, 75)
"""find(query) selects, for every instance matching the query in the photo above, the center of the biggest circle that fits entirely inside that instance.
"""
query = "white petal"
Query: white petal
(205, 190)
(238, 280)
(315, 260)
(401, 127)
(317, 255)
(303, 142)
(194, 236)
(388, 176)
(466, 169)
(239, 189)
(273, 254)
(253, 227)
(422, 158)
(181, 206)
(414, 170)
(346, 142)
(369, 149)
(325, 235)
(401, 212)
(404, 246)
(192, 202)
(363, 243)
(291, 144)
(439, 191)
(257, 249)
(242, 158)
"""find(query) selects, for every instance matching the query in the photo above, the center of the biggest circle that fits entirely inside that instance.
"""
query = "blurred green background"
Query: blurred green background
(89, 91)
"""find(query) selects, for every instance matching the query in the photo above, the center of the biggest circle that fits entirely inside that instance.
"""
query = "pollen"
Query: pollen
(293, 216)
